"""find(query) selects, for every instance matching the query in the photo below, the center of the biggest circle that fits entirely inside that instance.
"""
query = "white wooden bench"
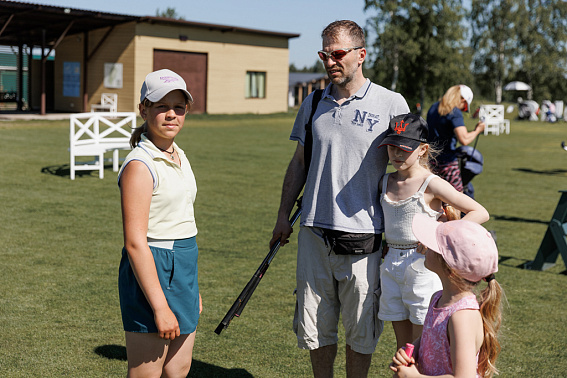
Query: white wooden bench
(94, 134)
(494, 119)
(108, 102)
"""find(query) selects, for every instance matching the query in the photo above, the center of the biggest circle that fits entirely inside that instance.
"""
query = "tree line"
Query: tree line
(423, 47)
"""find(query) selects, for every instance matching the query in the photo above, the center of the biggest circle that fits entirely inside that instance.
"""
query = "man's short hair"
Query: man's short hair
(350, 28)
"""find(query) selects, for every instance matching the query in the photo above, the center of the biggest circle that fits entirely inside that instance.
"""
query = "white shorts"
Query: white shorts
(329, 285)
(407, 286)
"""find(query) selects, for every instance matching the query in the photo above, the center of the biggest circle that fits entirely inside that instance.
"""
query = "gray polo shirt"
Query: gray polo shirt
(341, 191)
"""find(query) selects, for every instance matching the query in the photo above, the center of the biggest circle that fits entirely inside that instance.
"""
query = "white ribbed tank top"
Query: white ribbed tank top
(398, 215)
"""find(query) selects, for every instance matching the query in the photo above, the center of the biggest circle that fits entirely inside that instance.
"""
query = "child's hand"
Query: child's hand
(401, 359)
(421, 249)
(407, 372)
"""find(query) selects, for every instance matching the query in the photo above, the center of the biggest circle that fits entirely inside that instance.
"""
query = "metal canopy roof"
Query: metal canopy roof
(25, 22)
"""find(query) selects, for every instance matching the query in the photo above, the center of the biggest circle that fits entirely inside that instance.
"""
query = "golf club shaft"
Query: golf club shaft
(242, 300)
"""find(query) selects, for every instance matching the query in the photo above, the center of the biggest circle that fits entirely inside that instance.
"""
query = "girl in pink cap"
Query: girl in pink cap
(460, 332)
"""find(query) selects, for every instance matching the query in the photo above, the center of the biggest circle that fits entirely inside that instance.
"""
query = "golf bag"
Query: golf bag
(470, 164)
(528, 110)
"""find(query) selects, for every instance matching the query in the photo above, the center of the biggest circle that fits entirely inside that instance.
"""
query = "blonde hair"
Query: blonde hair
(429, 157)
(138, 131)
(490, 302)
(450, 100)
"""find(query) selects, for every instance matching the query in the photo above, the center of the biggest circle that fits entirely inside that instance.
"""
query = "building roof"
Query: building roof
(304, 77)
(222, 28)
(26, 23)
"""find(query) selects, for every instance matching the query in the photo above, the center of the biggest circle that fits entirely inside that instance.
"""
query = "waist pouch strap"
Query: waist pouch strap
(348, 243)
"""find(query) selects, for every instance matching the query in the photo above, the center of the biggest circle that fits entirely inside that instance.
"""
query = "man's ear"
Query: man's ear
(362, 55)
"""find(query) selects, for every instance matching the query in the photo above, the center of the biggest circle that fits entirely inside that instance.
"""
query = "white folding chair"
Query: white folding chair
(108, 102)
(494, 119)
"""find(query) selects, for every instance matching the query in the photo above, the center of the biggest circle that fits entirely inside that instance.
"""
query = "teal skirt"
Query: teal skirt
(177, 273)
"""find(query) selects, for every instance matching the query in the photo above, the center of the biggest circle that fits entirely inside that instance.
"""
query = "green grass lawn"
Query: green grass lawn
(59, 311)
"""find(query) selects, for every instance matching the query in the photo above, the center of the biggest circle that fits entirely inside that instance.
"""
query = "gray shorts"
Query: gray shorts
(330, 285)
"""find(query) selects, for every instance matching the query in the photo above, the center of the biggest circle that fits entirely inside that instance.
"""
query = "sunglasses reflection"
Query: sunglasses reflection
(336, 54)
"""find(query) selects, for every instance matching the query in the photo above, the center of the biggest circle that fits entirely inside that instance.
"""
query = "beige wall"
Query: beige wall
(116, 48)
(230, 55)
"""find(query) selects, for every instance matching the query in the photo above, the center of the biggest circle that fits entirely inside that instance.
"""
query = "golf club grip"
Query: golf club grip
(242, 300)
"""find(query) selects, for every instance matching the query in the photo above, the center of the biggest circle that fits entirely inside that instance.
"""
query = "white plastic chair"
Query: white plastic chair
(108, 102)
(94, 134)
(494, 119)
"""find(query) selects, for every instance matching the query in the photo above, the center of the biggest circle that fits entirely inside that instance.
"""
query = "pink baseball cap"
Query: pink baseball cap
(467, 247)
(161, 82)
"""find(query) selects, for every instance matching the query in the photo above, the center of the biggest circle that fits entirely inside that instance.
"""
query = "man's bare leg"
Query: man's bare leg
(357, 364)
(322, 361)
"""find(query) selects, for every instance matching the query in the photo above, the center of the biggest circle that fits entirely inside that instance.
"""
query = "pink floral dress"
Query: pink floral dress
(434, 350)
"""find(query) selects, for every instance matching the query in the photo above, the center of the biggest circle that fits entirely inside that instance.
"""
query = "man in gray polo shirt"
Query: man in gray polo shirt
(341, 193)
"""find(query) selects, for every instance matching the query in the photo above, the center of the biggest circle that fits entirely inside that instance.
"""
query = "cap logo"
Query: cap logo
(168, 79)
(400, 127)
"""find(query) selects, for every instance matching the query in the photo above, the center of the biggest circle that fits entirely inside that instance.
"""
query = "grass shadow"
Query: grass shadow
(201, 369)
(549, 172)
(112, 352)
(64, 171)
(515, 262)
(198, 368)
(517, 219)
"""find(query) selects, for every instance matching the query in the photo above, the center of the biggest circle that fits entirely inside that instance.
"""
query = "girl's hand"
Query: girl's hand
(167, 325)
(421, 249)
(401, 359)
(200, 304)
(407, 372)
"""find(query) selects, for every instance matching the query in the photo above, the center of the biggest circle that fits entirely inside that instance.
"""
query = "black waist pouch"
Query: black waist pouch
(348, 243)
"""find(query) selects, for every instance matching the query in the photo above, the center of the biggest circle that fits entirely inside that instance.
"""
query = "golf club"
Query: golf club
(248, 290)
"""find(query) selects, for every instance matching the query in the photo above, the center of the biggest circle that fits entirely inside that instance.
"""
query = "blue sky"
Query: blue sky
(305, 17)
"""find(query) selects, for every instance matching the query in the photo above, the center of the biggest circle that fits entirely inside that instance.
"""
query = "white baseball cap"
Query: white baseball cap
(467, 94)
(161, 82)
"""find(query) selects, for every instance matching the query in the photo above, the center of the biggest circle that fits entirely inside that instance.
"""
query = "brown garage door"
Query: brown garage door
(193, 69)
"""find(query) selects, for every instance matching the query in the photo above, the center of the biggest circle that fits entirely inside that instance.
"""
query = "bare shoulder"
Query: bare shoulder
(136, 172)
(437, 183)
(466, 325)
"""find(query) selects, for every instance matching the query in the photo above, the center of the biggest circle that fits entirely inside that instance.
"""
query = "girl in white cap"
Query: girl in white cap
(159, 292)
(460, 333)
(447, 127)
(406, 284)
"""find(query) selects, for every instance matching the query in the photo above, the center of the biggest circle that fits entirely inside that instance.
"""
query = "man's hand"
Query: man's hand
(281, 232)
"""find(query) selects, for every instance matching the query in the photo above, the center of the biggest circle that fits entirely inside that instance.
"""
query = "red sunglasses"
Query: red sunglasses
(336, 54)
